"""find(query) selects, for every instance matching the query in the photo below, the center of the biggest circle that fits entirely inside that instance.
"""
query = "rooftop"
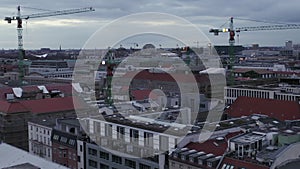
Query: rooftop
(248, 138)
(278, 109)
(237, 163)
(70, 121)
(47, 105)
(12, 156)
(215, 146)
(45, 122)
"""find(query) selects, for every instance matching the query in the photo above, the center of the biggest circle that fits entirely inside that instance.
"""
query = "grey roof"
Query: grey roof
(23, 166)
(12, 156)
(291, 165)
(271, 154)
(71, 121)
(44, 122)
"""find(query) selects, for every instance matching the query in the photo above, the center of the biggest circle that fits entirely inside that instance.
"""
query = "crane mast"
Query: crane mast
(19, 19)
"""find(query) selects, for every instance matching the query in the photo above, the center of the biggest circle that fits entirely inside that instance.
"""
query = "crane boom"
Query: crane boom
(47, 14)
(269, 27)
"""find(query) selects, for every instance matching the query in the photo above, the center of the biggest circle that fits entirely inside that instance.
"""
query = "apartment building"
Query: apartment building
(280, 92)
(39, 137)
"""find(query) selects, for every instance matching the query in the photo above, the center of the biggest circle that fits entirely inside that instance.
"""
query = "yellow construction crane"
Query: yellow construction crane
(19, 19)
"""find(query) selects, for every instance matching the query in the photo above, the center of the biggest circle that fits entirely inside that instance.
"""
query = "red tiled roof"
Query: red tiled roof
(242, 164)
(12, 107)
(64, 88)
(4, 91)
(140, 94)
(218, 148)
(47, 105)
(279, 109)
(287, 73)
(146, 75)
(30, 89)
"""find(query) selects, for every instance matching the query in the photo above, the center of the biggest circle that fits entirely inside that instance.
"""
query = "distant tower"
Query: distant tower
(289, 45)
(59, 47)
(255, 46)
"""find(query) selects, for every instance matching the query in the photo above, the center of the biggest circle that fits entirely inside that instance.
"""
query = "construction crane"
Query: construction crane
(19, 19)
(232, 31)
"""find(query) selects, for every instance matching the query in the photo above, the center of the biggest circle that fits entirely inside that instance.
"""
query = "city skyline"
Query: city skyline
(72, 31)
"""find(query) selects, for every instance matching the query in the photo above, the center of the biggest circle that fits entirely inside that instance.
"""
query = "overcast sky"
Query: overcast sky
(72, 31)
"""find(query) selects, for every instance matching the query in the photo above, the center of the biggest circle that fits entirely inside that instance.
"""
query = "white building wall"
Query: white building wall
(80, 154)
(40, 135)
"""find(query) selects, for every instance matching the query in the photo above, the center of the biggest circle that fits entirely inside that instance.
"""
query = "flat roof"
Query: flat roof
(44, 122)
(12, 156)
(248, 138)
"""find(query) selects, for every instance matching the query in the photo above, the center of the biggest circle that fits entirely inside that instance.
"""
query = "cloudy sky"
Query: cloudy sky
(73, 31)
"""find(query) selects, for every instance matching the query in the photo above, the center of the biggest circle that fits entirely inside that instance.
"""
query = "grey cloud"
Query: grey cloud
(203, 13)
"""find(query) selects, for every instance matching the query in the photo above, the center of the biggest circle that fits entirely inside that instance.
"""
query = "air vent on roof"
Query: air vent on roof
(289, 131)
(274, 129)
(209, 155)
(220, 138)
(10, 96)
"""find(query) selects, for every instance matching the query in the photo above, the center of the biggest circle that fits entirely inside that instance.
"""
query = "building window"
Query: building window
(134, 135)
(144, 166)
(116, 159)
(93, 163)
(104, 155)
(130, 163)
(163, 143)
(120, 133)
(31, 128)
(55, 137)
(63, 139)
(80, 148)
(92, 152)
(148, 139)
(74, 157)
(72, 142)
(103, 166)
(49, 152)
(97, 127)
(108, 130)
(70, 155)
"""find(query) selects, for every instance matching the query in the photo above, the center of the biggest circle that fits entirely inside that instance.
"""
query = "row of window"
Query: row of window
(41, 130)
(39, 138)
(41, 151)
(134, 135)
(250, 93)
(128, 163)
